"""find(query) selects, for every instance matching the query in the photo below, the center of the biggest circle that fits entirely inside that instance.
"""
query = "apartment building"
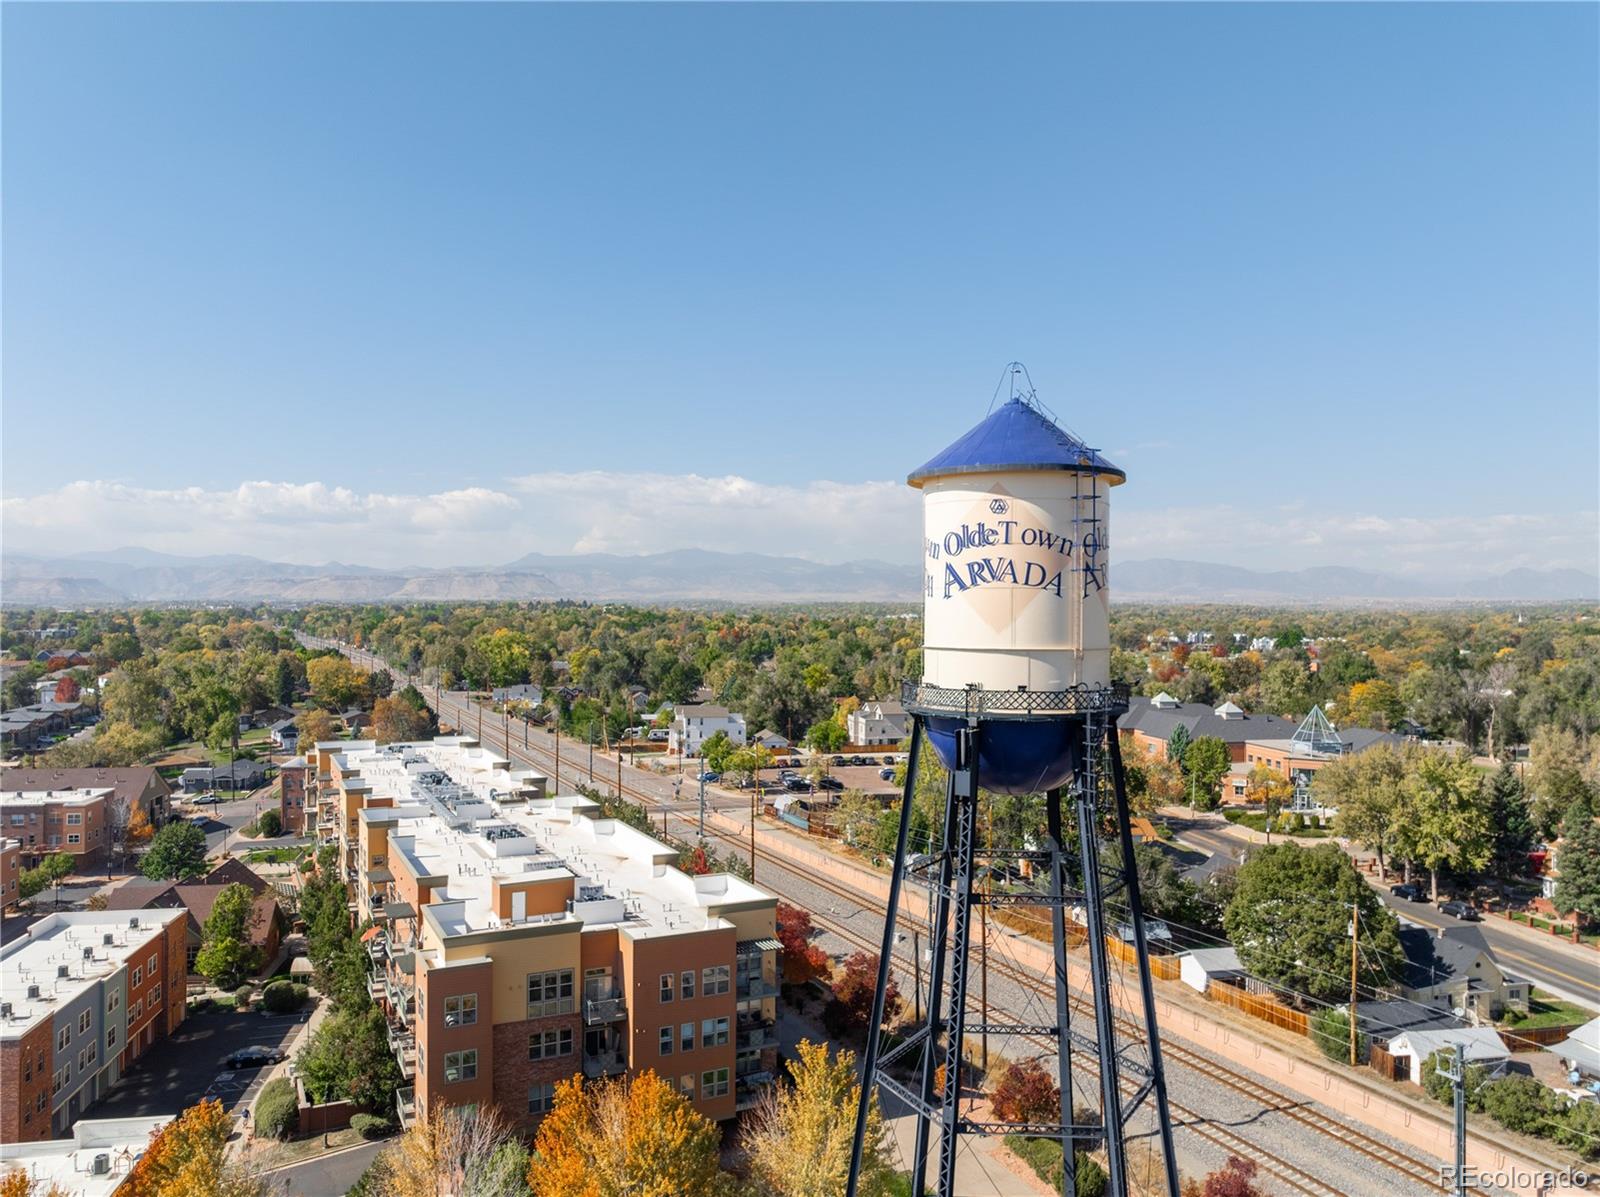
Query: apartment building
(45, 822)
(878, 723)
(521, 939)
(292, 776)
(85, 994)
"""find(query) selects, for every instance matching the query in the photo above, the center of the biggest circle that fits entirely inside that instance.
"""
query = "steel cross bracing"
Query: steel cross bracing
(1094, 793)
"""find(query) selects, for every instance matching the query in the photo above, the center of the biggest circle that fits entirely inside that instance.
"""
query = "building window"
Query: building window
(550, 993)
(461, 1010)
(111, 1036)
(461, 1066)
(113, 1001)
(687, 986)
(664, 1039)
(686, 1037)
(155, 993)
(74, 820)
(714, 1032)
(39, 1102)
(666, 986)
(714, 980)
(150, 966)
(686, 1085)
(138, 975)
(74, 839)
(135, 1010)
(546, 1045)
(714, 1083)
(63, 1037)
(541, 1098)
(84, 1020)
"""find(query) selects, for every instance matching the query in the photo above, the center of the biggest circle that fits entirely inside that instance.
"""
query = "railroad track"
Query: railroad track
(1412, 1167)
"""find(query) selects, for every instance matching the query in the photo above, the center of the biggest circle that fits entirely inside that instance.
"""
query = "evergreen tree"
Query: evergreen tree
(1510, 824)
(1578, 865)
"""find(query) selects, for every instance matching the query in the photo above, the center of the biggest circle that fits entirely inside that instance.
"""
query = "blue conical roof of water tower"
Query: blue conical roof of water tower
(1016, 437)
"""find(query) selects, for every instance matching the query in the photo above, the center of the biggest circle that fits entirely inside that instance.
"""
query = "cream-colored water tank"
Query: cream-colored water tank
(1015, 568)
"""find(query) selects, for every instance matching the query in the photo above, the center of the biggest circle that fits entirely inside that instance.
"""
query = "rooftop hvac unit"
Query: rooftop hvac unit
(62, 971)
(33, 991)
(133, 922)
(88, 953)
(102, 1164)
(107, 939)
(5, 1009)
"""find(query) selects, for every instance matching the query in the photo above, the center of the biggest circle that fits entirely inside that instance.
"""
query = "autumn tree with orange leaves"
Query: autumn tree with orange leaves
(633, 1136)
(188, 1158)
(18, 1183)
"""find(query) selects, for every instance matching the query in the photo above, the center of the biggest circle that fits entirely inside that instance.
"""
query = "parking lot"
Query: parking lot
(186, 1068)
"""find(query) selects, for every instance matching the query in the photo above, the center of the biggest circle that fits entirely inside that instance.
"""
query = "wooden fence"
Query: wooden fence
(1521, 1041)
(1258, 1006)
(1390, 1068)
(1162, 968)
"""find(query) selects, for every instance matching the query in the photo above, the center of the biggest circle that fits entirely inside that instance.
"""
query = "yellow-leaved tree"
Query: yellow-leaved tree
(629, 1137)
(188, 1158)
(799, 1140)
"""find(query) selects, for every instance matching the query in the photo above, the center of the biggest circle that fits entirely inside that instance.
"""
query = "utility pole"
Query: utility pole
(916, 965)
(1355, 933)
(702, 800)
(619, 772)
(1457, 1077)
(755, 807)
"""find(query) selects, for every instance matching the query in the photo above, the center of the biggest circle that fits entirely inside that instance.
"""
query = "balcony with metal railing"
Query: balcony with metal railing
(610, 1008)
(603, 1064)
(757, 1033)
(747, 1089)
(755, 987)
(404, 1046)
(406, 1104)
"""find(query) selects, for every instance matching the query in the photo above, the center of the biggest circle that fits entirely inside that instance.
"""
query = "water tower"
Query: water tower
(1016, 698)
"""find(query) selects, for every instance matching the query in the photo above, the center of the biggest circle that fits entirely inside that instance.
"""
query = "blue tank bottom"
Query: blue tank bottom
(1015, 756)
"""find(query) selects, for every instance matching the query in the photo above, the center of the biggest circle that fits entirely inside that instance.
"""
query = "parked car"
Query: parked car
(253, 1057)
(858, 760)
(838, 760)
(886, 773)
(708, 776)
(830, 783)
(1408, 891)
(1464, 911)
(798, 785)
(888, 760)
(207, 799)
(657, 735)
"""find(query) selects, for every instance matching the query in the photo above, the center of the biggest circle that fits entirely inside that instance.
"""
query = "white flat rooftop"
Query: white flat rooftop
(81, 797)
(70, 1164)
(58, 941)
(455, 819)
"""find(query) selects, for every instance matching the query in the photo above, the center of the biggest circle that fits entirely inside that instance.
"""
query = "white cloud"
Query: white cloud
(600, 511)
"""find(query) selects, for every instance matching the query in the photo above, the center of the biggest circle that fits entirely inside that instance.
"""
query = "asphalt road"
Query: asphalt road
(1564, 969)
(183, 1069)
(325, 1176)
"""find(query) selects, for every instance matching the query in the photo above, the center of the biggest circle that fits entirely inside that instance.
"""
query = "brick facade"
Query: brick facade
(26, 1065)
(515, 1074)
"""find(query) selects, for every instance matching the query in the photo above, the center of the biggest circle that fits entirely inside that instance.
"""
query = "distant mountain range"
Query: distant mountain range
(694, 575)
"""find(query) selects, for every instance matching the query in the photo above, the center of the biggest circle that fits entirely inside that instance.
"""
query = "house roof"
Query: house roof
(1482, 1043)
(1160, 720)
(1388, 1019)
(701, 710)
(235, 872)
(1015, 437)
(1583, 1045)
(197, 897)
(1443, 958)
(128, 783)
(1217, 960)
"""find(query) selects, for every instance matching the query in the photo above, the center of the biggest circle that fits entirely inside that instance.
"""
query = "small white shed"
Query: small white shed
(1483, 1044)
(1199, 968)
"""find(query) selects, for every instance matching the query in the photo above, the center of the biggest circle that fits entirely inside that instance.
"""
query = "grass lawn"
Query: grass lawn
(1546, 1010)
(296, 1151)
(274, 855)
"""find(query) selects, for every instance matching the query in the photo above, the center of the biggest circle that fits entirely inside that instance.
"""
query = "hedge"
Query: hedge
(277, 1109)
(370, 1126)
(1044, 1157)
(282, 997)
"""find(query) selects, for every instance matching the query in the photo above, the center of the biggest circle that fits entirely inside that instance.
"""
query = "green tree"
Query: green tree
(1510, 824)
(348, 1058)
(1330, 1031)
(716, 750)
(227, 956)
(1207, 762)
(1289, 920)
(1447, 824)
(1367, 789)
(177, 853)
(826, 736)
(504, 658)
(1578, 865)
(1558, 777)
(1178, 745)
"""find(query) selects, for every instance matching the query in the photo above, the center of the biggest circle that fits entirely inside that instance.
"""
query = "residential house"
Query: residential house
(242, 774)
(877, 723)
(1483, 1046)
(1455, 969)
(1382, 1021)
(198, 898)
(285, 735)
(767, 738)
(1580, 1052)
(526, 692)
(1202, 968)
(1151, 722)
(695, 723)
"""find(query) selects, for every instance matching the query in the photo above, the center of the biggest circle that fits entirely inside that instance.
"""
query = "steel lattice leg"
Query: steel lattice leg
(938, 932)
(964, 784)
(1058, 934)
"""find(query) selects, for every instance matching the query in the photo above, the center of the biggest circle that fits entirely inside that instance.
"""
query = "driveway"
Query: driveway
(325, 1176)
(181, 1070)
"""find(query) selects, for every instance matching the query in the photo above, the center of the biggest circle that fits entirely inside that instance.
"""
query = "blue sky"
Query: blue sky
(444, 284)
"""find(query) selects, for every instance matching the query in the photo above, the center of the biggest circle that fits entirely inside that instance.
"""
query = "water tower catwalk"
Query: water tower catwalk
(1016, 698)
